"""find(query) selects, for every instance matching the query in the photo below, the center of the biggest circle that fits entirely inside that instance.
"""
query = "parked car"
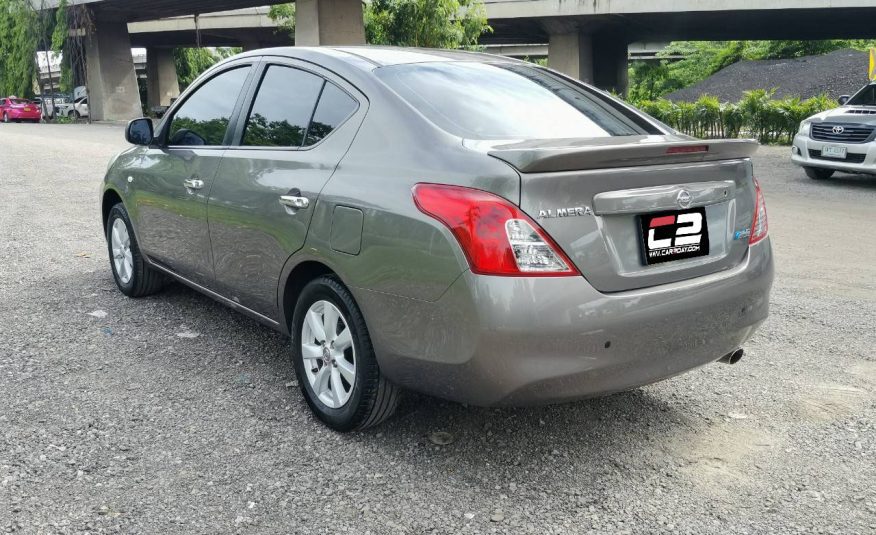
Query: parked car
(19, 109)
(464, 225)
(48, 104)
(74, 110)
(841, 139)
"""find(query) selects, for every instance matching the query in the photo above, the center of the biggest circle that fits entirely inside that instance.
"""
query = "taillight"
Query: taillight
(759, 225)
(496, 236)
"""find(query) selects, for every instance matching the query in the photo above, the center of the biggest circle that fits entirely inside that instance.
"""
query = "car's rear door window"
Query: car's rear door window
(334, 107)
(283, 108)
(508, 101)
(204, 117)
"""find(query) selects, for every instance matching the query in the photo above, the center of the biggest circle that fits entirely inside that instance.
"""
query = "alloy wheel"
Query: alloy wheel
(123, 259)
(328, 353)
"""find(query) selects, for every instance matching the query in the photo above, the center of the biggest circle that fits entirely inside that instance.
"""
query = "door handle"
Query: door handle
(193, 183)
(295, 202)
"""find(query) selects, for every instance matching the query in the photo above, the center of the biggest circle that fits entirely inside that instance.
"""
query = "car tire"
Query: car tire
(818, 173)
(133, 276)
(5, 117)
(341, 404)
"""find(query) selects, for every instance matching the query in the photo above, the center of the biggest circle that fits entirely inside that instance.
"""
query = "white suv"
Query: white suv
(841, 139)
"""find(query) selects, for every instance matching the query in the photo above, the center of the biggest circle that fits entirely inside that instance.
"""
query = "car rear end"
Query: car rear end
(23, 110)
(631, 255)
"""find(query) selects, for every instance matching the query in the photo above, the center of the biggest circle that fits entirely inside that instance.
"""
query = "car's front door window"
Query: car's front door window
(204, 117)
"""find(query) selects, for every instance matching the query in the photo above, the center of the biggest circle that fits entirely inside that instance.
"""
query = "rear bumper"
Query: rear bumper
(519, 341)
(800, 155)
(21, 115)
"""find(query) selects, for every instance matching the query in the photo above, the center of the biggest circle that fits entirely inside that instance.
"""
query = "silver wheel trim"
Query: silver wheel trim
(123, 260)
(328, 353)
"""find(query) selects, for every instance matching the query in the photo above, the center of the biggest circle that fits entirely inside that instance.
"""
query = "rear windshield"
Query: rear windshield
(19, 101)
(508, 101)
(864, 97)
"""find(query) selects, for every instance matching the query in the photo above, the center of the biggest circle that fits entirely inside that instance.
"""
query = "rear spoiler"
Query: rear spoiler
(574, 155)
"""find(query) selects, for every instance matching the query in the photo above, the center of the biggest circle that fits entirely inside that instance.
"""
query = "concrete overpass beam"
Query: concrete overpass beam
(163, 84)
(329, 22)
(599, 58)
(113, 94)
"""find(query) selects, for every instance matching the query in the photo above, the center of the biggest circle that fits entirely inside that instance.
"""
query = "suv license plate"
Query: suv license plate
(671, 236)
(833, 152)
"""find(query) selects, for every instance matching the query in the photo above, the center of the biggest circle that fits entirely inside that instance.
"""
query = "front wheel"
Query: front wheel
(334, 360)
(5, 117)
(818, 173)
(133, 276)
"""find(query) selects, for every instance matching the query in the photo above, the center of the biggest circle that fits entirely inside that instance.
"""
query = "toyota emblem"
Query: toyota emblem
(684, 198)
(838, 129)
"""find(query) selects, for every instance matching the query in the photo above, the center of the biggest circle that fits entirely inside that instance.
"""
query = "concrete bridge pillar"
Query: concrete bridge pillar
(113, 94)
(329, 22)
(162, 82)
(600, 58)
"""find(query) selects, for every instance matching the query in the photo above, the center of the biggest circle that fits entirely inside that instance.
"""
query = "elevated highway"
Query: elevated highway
(587, 39)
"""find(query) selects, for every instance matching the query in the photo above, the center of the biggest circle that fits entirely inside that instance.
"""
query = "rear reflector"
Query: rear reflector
(687, 149)
(496, 236)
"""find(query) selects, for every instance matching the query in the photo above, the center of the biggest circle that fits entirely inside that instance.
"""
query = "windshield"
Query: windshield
(19, 101)
(864, 97)
(508, 101)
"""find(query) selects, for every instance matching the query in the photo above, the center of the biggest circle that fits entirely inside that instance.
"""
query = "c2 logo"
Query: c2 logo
(688, 230)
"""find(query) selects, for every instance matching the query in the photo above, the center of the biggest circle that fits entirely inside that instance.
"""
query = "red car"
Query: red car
(19, 109)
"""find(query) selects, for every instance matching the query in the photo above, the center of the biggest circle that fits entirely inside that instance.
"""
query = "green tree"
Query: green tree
(191, 62)
(18, 48)
(284, 16)
(424, 23)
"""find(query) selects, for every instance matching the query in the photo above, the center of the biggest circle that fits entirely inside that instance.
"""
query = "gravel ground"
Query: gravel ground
(842, 72)
(173, 414)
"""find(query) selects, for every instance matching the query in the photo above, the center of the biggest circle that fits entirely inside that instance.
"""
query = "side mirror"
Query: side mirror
(140, 132)
(843, 99)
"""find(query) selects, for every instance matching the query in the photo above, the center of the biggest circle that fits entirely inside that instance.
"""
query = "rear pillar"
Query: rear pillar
(598, 58)
(163, 84)
(113, 94)
(329, 22)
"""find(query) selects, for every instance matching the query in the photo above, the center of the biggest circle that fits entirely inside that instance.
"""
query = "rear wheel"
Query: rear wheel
(334, 359)
(818, 173)
(133, 276)
(5, 117)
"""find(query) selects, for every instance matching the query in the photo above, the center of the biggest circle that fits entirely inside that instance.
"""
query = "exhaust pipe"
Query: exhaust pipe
(732, 358)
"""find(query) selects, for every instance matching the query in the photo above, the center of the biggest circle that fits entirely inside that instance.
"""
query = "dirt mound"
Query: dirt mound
(841, 72)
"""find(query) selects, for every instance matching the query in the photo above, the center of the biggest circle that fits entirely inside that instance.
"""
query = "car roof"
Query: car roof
(381, 56)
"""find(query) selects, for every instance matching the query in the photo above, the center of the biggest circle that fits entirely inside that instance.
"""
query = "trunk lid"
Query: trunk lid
(591, 195)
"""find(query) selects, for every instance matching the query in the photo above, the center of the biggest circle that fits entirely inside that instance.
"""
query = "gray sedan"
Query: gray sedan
(464, 225)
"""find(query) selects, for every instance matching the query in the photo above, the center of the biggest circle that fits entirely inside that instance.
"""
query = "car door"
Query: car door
(300, 123)
(173, 178)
